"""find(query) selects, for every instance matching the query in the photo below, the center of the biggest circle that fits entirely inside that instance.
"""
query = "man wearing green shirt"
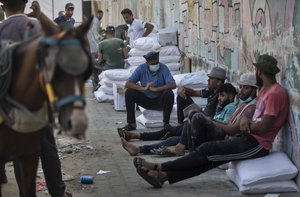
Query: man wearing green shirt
(112, 51)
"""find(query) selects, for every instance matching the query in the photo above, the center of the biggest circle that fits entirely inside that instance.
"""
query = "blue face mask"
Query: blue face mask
(154, 68)
(248, 100)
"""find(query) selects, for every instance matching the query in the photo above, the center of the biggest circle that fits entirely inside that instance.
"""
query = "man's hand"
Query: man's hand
(36, 10)
(149, 85)
(182, 92)
(153, 89)
(245, 124)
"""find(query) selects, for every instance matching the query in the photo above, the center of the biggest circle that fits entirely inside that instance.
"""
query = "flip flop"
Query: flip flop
(128, 127)
(138, 162)
(123, 134)
(154, 181)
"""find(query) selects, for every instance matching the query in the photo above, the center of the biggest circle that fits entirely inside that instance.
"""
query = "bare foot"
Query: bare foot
(130, 148)
(179, 149)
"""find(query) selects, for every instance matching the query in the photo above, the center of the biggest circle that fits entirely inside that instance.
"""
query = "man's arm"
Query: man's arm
(233, 124)
(183, 92)
(125, 52)
(100, 57)
(134, 86)
(47, 24)
(164, 87)
(229, 129)
(259, 128)
(149, 27)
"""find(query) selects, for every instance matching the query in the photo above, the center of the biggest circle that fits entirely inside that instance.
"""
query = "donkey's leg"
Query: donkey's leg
(25, 171)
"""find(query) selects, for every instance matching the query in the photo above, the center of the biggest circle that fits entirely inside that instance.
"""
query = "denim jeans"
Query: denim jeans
(171, 141)
(157, 135)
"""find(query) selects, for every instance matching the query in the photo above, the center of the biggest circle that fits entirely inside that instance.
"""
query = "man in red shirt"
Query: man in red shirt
(254, 138)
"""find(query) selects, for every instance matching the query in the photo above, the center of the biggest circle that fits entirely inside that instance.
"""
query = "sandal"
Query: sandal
(128, 127)
(138, 162)
(123, 134)
(154, 181)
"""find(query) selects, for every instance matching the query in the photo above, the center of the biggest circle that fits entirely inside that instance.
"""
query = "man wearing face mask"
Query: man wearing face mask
(206, 129)
(154, 92)
(253, 139)
(137, 28)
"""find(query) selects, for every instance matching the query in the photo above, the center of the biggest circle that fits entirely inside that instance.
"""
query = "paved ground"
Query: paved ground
(102, 150)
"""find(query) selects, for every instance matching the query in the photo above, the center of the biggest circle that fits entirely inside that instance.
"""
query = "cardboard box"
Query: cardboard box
(168, 36)
(119, 98)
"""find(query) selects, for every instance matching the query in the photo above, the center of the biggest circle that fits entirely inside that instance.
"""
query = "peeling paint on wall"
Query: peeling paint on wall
(233, 33)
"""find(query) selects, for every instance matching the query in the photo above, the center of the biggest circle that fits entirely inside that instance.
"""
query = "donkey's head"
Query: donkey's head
(68, 65)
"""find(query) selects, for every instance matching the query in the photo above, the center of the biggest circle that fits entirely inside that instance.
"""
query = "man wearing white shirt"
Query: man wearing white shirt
(137, 28)
(94, 38)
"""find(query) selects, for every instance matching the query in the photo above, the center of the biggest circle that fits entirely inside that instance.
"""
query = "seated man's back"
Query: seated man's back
(112, 50)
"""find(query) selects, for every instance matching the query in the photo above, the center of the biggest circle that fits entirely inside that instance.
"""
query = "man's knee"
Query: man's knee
(179, 99)
(196, 118)
(168, 94)
(130, 92)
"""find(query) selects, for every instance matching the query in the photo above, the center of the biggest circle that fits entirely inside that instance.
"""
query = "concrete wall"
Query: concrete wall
(232, 33)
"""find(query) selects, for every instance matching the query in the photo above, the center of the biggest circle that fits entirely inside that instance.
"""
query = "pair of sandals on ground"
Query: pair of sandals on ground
(143, 168)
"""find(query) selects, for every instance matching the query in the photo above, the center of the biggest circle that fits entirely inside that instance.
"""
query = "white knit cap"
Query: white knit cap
(248, 79)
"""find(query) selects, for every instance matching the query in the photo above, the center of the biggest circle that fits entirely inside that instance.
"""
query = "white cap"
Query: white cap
(248, 79)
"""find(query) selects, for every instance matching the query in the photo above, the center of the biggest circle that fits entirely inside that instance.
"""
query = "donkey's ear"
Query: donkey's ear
(85, 26)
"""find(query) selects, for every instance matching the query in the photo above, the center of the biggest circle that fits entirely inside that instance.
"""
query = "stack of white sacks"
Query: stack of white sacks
(163, 41)
(141, 47)
(195, 80)
(170, 56)
(272, 173)
(107, 79)
(169, 52)
(157, 42)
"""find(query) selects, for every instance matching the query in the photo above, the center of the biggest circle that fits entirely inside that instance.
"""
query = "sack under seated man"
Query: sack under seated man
(255, 139)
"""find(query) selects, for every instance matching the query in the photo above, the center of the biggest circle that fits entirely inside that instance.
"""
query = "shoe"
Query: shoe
(163, 152)
(167, 126)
